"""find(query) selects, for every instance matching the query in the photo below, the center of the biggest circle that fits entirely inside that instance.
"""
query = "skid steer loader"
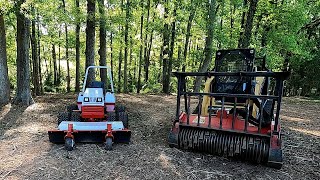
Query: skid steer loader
(95, 118)
(237, 114)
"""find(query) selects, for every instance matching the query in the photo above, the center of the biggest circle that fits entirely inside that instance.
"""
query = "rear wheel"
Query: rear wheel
(75, 116)
(111, 116)
(123, 116)
(108, 145)
(63, 116)
(71, 108)
(120, 108)
(69, 144)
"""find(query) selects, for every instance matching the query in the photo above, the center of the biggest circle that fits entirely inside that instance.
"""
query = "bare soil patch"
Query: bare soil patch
(26, 153)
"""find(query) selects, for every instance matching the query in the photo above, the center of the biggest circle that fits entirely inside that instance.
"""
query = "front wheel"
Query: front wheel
(69, 144)
(108, 145)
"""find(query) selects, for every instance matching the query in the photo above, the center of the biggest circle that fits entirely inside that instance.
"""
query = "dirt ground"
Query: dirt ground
(26, 153)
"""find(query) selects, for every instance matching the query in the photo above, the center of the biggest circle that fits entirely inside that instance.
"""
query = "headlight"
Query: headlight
(86, 99)
(99, 99)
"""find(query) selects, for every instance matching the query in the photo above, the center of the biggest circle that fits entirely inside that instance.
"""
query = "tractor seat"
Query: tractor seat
(96, 84)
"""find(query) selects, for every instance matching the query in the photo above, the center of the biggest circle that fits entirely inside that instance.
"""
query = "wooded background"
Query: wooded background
(45, 45)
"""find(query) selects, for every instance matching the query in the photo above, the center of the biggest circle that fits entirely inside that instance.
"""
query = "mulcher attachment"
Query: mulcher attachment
(229, 130)
(244, 147)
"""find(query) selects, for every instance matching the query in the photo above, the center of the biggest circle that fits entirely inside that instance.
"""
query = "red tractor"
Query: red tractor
(237, 114)
(95, 117)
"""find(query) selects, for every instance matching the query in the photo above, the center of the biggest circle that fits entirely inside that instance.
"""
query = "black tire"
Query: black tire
(111, 116)
(72, 107)
(108, 144)
(123, 116)
(120, 108)
(63, 116)
(75, 116)
(69, 144)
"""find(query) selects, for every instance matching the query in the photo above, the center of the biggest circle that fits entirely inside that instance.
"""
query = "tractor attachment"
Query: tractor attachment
(90, 132)
(95, 118)
(236, 116)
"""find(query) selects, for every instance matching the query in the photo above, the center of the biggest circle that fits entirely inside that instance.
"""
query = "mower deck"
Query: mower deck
(90, 132)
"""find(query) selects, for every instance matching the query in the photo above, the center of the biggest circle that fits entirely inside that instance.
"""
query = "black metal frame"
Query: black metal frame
(278, 76)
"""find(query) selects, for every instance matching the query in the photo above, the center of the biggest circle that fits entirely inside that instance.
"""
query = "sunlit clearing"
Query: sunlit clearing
(294, 119)
(310, 132)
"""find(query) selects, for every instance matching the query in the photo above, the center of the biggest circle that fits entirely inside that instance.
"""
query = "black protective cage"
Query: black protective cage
(279, 78)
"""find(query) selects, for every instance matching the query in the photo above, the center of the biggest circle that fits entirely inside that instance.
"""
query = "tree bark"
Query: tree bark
(54, 59)
(208, 51)
(186, 44)
(146, 63)
(34, 55)
(103, 42)
(90, 38)
(111, 53)
(4, 78)
(67, 50)
(23, 93)
(166, 51)
(169, 69)
(77, 88)
(126, 31)
(245, 42)
(243, 20)
(39, 57)
(59, 51)
(141, 49)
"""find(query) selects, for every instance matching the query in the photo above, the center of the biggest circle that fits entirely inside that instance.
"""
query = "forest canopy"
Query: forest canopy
(46, 44)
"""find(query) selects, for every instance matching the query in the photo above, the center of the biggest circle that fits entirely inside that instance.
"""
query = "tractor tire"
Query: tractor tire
(63, 116)
(120, 108)
(70, 109)
(108, 144)
(69, 144)
(123, 116)
(111, 116)
(75, 116)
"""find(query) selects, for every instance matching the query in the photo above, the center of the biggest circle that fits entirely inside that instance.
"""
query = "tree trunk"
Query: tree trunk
(186, 44)
(39, 57)
(4, 78)
(245, 42)
(77, 88)
(67, 50)
(243, 20)
(103, 42)
(166, 51)
(126, 30)
(141, 48)
(208, 46)
(23, 93)
(54, 59)
(111, 53)
(169, 69)
(59, 50)
(146, 63)
(119, 68)
(90, 38)
(35, 58)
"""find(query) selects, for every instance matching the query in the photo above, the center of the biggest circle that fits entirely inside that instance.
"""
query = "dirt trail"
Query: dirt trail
(26, 153)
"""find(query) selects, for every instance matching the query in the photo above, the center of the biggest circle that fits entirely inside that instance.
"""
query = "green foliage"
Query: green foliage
(279, 24)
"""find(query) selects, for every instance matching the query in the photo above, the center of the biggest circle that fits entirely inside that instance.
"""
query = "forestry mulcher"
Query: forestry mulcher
(95, 118)
(237, 115)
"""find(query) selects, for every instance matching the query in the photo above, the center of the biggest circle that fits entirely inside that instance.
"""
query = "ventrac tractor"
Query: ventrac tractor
(95, 117)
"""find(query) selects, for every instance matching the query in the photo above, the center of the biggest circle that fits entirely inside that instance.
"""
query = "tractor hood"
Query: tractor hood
(93, 96)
